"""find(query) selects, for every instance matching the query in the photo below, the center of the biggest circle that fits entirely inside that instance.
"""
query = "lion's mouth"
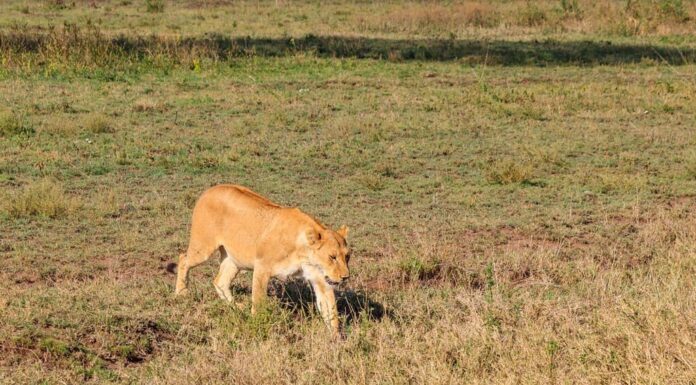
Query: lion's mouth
(331, 281)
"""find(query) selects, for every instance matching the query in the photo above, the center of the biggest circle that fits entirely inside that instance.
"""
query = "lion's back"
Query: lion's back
(230, 209)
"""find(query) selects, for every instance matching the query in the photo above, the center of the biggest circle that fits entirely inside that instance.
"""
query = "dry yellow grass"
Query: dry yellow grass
(392, 19)
(99, 124)
(148, 105)
(43, 199)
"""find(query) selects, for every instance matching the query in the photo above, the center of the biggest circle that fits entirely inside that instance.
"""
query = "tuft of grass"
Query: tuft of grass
(372, 182)
(99, 124)
(571, 8)
(54, 346)
(532, 16)
(12, 124)
(148, 105)
(508, 171)
(41, 199)
(59, 4)
(419, 269)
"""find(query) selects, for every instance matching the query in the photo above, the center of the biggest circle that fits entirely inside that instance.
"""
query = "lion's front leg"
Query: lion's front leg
(259, 288)
(326, 303)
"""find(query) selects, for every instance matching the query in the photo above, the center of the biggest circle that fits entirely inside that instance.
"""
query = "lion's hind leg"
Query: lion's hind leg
(197, 253)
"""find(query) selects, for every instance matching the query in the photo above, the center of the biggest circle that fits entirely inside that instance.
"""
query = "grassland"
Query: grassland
(512, 221)
(647, 20)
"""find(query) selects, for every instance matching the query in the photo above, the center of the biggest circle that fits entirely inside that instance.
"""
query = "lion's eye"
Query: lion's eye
(333, 257)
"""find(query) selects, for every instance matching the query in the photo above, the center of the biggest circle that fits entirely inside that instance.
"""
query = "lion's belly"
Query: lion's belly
(240, 260)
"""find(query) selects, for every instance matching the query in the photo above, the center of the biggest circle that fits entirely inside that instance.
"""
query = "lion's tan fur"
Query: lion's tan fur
(253, 233)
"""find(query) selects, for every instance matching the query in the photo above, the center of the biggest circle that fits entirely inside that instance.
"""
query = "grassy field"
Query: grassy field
(653, 20)
(513, 221)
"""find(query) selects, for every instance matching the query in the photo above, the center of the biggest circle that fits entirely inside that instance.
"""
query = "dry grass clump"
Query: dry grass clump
(67, 46)
(532, 16)
(61, 125)
(77, 48)
(149, 105)
(39, 199)
(13, 124)
(99, 124)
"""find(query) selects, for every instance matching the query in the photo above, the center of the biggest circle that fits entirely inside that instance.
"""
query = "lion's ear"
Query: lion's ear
(313, 237)
(343, 231)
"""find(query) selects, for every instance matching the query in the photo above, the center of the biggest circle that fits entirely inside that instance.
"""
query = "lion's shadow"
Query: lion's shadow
(297, 296)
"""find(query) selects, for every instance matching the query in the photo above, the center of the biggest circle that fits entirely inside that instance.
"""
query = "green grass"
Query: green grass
(154, 5)
(522, 223)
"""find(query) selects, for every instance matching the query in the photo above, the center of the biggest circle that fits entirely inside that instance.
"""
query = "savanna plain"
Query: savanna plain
(519, 179)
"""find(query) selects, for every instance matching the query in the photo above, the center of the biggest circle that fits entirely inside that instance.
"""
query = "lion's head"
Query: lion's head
(329, 253)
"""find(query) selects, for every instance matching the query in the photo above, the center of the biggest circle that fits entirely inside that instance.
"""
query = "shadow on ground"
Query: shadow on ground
(72, 41)
(507, 53)
(297, 296)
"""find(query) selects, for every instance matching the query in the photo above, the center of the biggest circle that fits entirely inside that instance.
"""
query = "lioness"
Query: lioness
(256, 234)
